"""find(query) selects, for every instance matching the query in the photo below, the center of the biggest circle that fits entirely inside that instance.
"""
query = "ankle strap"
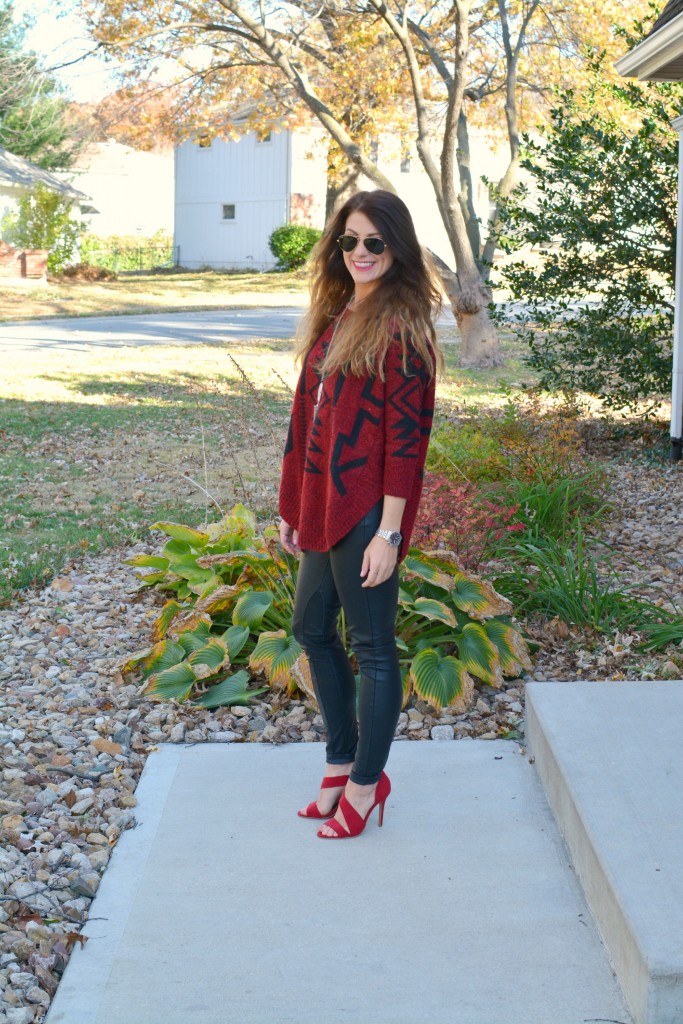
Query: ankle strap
(334, 781)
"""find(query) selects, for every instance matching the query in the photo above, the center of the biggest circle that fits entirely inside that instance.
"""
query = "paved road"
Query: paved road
(203, 327)
(206, 327)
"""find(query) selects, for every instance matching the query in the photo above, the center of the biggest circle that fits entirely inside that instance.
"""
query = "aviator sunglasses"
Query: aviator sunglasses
(375, 246)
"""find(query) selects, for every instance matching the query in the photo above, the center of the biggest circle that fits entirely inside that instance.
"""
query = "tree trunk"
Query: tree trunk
(338, 191)
(479, 347)
(478, 340)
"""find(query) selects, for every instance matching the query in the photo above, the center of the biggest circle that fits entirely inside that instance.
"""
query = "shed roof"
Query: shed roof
(16, 172)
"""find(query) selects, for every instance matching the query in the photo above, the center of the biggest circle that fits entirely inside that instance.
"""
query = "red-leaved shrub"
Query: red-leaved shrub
(454, 517)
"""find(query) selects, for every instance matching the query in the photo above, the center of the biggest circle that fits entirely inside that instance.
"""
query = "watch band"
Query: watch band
(392, 537)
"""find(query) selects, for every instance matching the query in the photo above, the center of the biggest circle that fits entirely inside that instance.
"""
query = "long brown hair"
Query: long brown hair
(404, 302)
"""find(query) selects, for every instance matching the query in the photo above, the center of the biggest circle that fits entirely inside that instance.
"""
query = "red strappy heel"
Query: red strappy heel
(329, 782)
(354, 821)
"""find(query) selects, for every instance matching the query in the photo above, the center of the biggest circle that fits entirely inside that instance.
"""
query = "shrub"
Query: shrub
(291, 245)
(597, 301)
(127, 252)
(524, 443)
(44, 221)
(233, 591)
(454, 516)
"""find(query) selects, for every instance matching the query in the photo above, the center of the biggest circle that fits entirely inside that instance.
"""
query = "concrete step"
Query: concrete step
(222, 906)
(610, 756)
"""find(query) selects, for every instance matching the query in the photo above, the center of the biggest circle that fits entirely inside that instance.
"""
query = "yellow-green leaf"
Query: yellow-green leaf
(194, 639)
(442, 680)
(477, 597)
(210, 658)
(251, 607)
(512, 649)
(189, 620)
(173, 683)
(165, 618)
(230, 691)
(434, 610)
(147, 561)
(479, 654)
(416, 563)
(274, 654)
(185, 534)
(163, 655)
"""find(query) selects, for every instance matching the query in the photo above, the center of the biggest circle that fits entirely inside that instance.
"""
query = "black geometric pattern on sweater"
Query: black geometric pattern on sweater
(289, 443)
(342, 441)
(406, 400)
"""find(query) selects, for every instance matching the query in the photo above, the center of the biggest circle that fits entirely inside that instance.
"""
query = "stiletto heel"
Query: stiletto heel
(329, 782)
(355, 823)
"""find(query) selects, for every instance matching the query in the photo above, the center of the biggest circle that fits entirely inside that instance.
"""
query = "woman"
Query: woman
(351, 481)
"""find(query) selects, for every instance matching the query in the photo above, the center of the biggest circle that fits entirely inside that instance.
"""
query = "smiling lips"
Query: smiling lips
(364, 265)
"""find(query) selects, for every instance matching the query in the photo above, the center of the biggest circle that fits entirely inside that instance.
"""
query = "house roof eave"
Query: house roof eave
(654, 53)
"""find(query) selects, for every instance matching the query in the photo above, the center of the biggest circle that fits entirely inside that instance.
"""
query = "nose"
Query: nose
(360, 249)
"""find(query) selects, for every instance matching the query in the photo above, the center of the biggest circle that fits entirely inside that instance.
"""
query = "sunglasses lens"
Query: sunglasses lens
(347, 243)
(375, 246)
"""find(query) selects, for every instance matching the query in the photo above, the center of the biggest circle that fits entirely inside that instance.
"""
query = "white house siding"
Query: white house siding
(250, 175)
(131, 191)
(308, 181)
(415, 189)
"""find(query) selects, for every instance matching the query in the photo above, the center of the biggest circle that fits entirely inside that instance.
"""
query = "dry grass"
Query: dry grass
(150, 293)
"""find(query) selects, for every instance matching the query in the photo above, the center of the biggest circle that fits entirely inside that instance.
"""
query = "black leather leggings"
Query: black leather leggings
(328, 581)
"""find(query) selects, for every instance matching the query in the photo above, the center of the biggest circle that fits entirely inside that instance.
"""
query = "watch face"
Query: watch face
(394, 538)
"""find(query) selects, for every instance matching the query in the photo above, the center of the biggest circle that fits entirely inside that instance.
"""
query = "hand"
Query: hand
(289, 538)
(379, 562)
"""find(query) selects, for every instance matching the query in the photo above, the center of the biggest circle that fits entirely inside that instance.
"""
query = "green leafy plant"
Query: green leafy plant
(544, 577)
(523, 442)
(127, 252)
(230, 617)
(597, 292)
(291, 245)
(44, 220)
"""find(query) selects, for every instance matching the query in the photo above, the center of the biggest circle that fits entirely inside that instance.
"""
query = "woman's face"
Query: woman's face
(364, 268)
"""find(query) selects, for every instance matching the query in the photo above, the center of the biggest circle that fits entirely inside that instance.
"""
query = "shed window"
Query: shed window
(264, 137)
(405, 160)
(204, 142)
(228, 211)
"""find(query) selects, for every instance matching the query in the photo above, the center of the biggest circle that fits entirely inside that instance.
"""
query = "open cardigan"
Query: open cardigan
(353, 440)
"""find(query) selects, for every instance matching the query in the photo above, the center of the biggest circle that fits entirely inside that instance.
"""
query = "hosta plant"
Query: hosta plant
(230, 618)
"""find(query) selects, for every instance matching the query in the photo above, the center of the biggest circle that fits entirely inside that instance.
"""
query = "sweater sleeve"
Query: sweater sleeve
(409, 407)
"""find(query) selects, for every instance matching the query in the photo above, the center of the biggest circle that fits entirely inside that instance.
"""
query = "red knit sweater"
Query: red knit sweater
(368, 438)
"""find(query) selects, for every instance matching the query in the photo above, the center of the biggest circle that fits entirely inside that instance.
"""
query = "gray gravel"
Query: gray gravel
(74, 739)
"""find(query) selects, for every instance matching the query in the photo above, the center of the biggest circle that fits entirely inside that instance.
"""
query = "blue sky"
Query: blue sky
(60, 38)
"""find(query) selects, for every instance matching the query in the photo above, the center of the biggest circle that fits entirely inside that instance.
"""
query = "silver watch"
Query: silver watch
(392, 537)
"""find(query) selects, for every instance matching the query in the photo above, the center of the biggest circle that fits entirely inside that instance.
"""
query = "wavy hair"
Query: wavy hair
(404, 303)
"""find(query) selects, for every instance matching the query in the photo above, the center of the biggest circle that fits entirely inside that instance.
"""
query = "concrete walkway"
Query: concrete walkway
(222, 907)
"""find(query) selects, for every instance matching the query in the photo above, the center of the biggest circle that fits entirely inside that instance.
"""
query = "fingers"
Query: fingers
(289, 539)
(379, 562)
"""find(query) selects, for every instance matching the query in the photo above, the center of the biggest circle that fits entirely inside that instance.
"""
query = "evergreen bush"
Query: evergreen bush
(291, 245)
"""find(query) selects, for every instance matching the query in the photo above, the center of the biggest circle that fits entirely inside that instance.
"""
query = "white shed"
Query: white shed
(231, 195)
